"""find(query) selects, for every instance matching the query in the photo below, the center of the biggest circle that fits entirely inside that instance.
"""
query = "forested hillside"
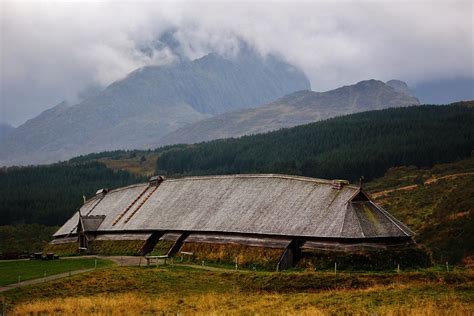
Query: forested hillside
(364, 144)
(49, 195)
(346, 147)
(295, 109)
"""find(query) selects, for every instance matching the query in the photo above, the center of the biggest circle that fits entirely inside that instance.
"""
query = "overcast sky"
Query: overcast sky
(51, 51)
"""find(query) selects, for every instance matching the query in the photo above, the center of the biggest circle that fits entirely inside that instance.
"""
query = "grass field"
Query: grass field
(183, 290)
(32, 269)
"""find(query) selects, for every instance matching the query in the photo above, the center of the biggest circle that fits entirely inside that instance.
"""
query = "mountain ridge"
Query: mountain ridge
(149, 102)
(297, 108)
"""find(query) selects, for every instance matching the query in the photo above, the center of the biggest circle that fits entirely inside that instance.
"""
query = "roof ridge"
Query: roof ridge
(262, 175)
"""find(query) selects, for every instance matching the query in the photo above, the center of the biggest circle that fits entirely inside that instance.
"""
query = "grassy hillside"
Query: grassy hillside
(437, 203)
(364, 144)
(141, 163)
(186, 291)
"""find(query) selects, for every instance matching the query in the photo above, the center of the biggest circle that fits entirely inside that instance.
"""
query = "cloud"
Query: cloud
(50, 51)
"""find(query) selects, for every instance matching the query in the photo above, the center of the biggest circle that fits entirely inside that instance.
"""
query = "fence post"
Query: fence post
(4, 308)
(447, 266)
(335, 267)
(95, 263)
(19, 280)
(398, 268)
(236, 263)
(44, 276)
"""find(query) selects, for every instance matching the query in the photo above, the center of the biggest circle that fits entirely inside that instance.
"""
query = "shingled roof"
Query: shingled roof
(251, 204)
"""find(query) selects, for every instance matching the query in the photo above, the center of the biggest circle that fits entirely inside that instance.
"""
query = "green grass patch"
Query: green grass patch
(162, 248)
(33, 269)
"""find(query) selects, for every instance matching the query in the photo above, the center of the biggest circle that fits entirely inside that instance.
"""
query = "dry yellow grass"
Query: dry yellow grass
(241, 304)
(186, 291)
(134, 165)
(226, 254)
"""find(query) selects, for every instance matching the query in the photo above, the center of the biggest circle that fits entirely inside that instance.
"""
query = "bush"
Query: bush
(406, 257)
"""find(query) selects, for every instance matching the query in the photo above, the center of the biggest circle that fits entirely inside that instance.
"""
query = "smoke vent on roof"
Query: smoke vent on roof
(102, 191)
(338, 184)
(156, 180)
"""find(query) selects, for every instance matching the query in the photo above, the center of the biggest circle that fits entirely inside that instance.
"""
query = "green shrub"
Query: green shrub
(388, 259)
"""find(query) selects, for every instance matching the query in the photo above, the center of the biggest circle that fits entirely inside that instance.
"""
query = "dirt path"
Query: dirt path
(119, 260)
(125, 260)
(385, 192)
(414, 186)
(449, 176)
(196, 266)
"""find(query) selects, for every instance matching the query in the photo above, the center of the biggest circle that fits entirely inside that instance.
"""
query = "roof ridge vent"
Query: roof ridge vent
(339, 184)
(155, 180)
(102, 191)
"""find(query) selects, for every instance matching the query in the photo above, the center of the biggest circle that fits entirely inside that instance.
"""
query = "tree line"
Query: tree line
(49, 195)
(348, 147)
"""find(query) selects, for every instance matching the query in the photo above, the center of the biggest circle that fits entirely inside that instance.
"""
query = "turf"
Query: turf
(33, 269)
(183, 290)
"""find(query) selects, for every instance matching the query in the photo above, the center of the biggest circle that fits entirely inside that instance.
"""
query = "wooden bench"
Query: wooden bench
(155, 259)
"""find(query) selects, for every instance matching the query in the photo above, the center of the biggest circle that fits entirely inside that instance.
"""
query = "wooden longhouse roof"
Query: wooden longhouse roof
(250, 204)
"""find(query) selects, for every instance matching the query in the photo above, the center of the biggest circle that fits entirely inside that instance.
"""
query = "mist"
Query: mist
(55, 51)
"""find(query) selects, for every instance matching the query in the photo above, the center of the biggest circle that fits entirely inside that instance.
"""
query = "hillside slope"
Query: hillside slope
(437, 203)
(347, 147)
(148, 103)
(298, 108)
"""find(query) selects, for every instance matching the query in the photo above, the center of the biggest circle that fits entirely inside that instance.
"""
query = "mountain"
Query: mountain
(149, 103)
(5, 130)
(294, 109)
(400, 86)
